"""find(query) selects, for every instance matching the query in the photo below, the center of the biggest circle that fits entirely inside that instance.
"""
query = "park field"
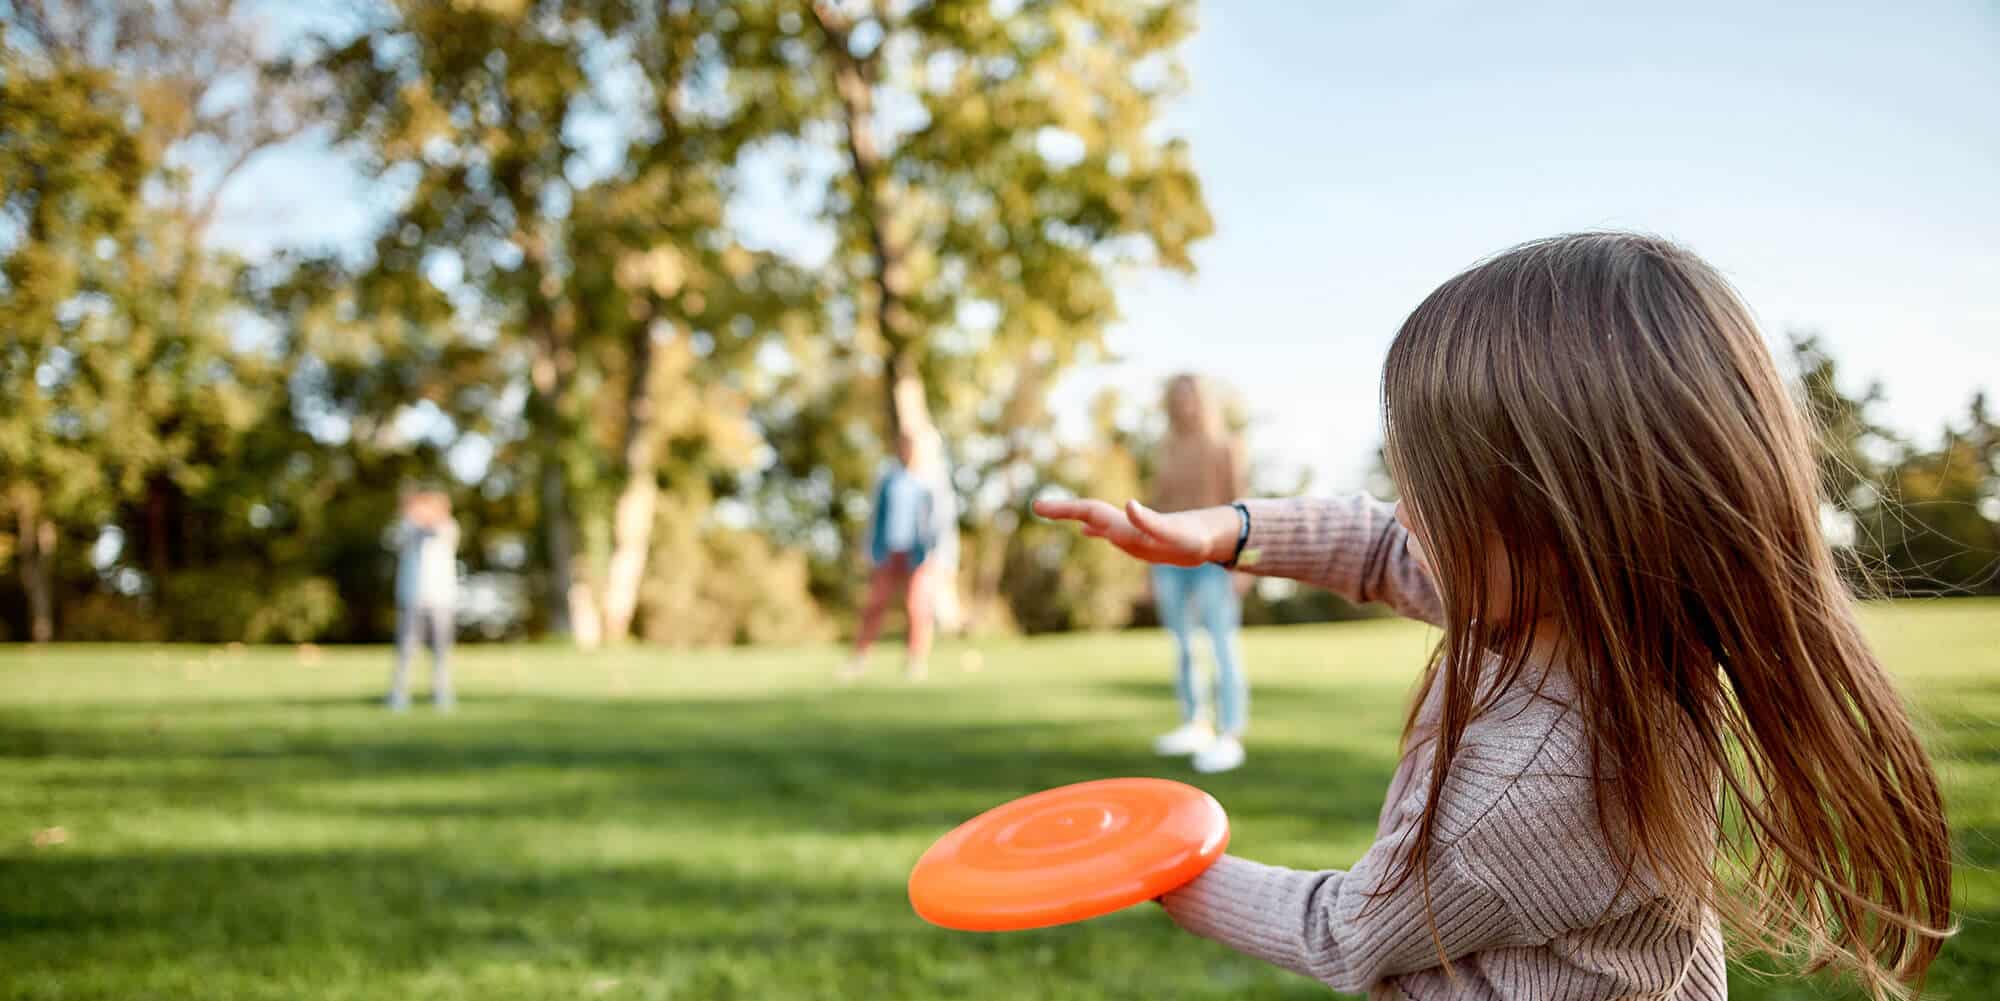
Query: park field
(186, 822)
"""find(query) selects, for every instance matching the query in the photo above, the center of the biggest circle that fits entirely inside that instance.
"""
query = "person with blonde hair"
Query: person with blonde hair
(1201, 465)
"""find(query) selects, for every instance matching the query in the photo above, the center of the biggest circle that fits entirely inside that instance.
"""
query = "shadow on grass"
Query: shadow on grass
(368, 923)
(398, 915)
(1261, 694)
(907, 763)
(258, 898)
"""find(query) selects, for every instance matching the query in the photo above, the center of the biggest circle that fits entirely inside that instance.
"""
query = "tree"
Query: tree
(1853, 447)
(1055, 579)
(142, 382)
(568, 160)
(1940, 531)
(70, 175)
(984, 175)
(1030, 167)
(1907, 519)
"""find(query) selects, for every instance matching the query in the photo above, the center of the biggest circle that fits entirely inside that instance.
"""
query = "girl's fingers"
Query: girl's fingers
(1058, 510)
(1119, 532)
(1085, 510)
(1173, 534)
(1103, 521)
(1099, 519)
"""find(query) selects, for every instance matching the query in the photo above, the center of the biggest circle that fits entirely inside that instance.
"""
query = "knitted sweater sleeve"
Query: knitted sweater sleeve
(1348, 929)
(1516, 862)
(1352, 546)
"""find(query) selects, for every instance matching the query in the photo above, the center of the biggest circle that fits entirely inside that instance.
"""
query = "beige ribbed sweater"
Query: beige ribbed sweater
(1196, 472)
(1528, 894)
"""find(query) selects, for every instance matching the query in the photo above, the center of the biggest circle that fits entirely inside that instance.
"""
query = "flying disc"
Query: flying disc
(1068, 854)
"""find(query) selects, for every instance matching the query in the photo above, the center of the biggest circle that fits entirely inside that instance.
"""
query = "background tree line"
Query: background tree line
(650, 423)
(654, 421)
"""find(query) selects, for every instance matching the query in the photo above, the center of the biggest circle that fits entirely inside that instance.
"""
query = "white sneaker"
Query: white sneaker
(1221, 755)
(1188, 738)
(916, 671)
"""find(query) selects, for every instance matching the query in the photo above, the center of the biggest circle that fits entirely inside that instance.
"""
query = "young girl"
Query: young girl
(426, 543)
(1201, 465)
(913, 520)
(1610, 508)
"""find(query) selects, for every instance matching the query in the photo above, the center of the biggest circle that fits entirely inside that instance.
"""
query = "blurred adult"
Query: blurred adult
(426, 543)
(1201, 464)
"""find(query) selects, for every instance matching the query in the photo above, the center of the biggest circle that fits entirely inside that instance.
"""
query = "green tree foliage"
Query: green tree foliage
(562, 243)
(1053, 579)
(984, 177)
(1937, 528)
(70, 173)
(662, 416)
(1854, 449)
(135, 397)
(713, 583)
(555, 309)
(1908, 519)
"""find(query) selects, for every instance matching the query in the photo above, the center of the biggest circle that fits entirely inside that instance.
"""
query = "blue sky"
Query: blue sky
(1840, 162)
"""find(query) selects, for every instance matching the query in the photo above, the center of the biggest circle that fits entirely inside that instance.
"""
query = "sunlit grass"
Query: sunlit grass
(641, 824)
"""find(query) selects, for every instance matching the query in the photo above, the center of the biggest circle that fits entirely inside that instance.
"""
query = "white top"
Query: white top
(427, 564)
(903, 496)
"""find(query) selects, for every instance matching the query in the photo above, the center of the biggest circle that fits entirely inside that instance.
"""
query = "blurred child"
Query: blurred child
(1610, 507)
(908, 524)
(1201, 465)
(426, 541)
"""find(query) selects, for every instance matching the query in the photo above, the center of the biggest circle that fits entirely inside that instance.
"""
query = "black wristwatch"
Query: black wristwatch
(1242, 536)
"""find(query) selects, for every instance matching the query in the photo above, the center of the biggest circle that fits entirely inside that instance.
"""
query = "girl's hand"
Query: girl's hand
(1182, 539)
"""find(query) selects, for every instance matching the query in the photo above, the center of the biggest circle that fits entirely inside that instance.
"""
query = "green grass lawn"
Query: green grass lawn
(646, 824)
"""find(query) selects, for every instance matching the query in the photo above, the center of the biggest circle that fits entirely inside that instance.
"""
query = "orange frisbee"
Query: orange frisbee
(1067, 854)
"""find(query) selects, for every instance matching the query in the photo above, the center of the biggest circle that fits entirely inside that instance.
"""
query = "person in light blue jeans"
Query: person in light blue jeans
(1201, 464)
(1205, 596)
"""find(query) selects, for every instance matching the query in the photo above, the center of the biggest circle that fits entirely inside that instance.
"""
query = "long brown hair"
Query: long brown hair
(1206, 423)
(1599, 410)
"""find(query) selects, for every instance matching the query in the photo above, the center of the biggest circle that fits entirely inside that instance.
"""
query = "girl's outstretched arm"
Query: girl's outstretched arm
(1350, 545)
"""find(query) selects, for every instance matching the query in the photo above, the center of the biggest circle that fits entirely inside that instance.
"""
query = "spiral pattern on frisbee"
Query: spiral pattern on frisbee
(1068, 854)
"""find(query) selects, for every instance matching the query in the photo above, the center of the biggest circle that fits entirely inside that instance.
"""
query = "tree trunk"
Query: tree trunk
(1026, 405)
(586, 626)
(558, 544)
(908, 409)
(572, 605)
(903, 386)
(37, 556)
(157, 560)
(631, 540)
(988, 574)
(638, 498)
